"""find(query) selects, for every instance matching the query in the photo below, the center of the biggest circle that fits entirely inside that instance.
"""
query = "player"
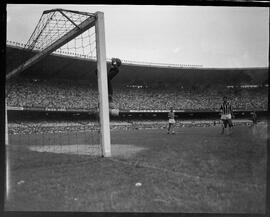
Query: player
(171, 117)
(114, 70)
(254, 120)
(226, 115)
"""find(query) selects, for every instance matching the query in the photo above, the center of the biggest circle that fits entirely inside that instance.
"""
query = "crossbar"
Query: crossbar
(71, 11)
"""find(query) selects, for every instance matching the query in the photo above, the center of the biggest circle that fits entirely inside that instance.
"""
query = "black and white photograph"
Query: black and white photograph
(136, 108)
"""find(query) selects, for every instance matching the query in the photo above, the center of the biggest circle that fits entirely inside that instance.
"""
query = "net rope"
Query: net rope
(56, 24)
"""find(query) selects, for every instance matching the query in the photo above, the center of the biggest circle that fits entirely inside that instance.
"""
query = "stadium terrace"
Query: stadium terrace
(186, 88)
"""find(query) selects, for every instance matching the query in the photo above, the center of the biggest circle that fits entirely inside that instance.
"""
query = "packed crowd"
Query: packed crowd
(75, 95)
(183, 99)
(51, 94)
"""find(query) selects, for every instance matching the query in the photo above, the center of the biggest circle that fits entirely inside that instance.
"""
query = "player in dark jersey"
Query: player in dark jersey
(254, 119)
(226, 115)
(254, 122)
(171, 117)
(114, 70)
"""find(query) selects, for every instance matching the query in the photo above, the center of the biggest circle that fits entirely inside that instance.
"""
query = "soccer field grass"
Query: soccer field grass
(196, 170)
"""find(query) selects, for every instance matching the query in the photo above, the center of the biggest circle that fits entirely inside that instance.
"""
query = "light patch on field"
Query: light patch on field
(126, 150)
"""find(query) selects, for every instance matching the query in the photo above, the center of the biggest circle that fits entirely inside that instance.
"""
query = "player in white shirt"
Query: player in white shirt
(226, 115)
(171, 117)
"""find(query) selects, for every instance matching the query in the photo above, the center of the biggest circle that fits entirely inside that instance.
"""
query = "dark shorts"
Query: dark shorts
(227, 122)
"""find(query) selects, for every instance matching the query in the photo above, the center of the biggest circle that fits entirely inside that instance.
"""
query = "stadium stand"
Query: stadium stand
(68, 94)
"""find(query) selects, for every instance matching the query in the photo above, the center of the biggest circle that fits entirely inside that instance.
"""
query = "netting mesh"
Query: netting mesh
(54, 25)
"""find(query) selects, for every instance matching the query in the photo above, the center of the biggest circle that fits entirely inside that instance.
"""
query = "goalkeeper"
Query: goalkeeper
(114, 70)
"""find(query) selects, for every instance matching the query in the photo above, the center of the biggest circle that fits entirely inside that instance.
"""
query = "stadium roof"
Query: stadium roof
(72, 66)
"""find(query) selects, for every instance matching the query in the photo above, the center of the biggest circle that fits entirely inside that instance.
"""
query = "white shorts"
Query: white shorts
(226, 117)
(171, 121)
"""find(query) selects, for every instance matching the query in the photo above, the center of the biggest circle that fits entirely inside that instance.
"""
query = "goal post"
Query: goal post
(54, 32)
(103, 85)
(6, 123)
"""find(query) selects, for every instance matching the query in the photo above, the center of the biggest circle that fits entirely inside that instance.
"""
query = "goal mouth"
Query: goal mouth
(72, 32)
(118, 150)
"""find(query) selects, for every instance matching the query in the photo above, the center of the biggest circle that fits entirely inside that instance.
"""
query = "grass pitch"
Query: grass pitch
(196, 170)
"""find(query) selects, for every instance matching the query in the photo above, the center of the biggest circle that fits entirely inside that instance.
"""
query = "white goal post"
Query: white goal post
(103, 86)
(95, 20)
(6, 123)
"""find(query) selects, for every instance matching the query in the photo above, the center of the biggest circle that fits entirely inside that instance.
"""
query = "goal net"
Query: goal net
(75, 34)
(53, 25)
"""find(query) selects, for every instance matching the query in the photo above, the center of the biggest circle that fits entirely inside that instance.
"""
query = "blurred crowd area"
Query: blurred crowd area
(45, 127)
(68, 94)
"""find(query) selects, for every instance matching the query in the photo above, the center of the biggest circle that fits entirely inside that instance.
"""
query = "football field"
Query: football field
(195, 170)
